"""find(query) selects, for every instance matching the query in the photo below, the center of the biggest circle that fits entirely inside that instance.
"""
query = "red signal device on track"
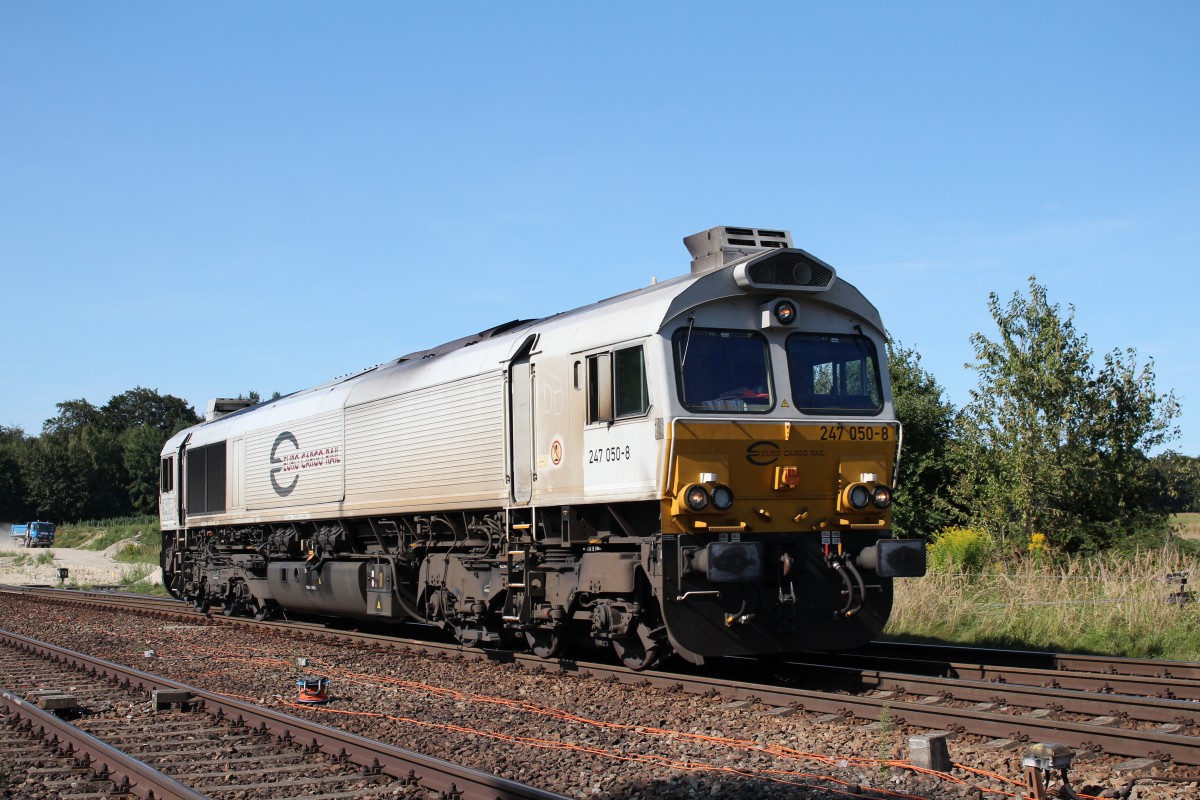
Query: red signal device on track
(313, 690)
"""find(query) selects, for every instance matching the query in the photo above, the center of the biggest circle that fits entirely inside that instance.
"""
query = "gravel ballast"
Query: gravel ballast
(577, 736)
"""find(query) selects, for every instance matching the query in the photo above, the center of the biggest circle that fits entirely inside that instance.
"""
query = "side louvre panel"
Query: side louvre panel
(440, 442)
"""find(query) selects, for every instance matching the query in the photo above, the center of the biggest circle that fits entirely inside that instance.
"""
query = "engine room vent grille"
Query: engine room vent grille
(794, 270)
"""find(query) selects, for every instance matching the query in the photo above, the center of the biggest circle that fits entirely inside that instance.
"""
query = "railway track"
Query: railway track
(1088, 710)
(949, 656)
(120, 731)
(1142, 677)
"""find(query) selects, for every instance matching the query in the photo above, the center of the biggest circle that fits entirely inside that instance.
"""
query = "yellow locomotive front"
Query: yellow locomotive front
(780, 466)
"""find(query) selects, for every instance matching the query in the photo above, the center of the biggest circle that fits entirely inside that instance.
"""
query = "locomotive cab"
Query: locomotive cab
(781, 458)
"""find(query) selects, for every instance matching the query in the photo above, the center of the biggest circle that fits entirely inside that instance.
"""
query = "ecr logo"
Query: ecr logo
(764, 453)
(282, 491)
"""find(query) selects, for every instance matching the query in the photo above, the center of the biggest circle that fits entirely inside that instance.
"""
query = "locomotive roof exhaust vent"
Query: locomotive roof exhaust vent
(221, 406)
(721, 245)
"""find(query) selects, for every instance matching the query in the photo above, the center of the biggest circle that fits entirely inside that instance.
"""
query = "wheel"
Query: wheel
(228, 607)
(258, 609)
(545, 642)
(200, 603)
(633, 652)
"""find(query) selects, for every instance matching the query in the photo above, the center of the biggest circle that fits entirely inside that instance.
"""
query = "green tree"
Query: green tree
(14, 494)
(925, 477)
(1049, 444)
(144, 420)
(72, 416)
(1178, 478)
(94, 462)
(141, 448)
(76, 474)
(146, 407)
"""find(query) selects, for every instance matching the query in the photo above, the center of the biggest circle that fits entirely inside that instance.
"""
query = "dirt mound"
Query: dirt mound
(112, 550)
(20, 566)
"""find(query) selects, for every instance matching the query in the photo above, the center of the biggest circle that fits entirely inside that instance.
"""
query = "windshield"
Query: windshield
(722, 370)
(834, 374)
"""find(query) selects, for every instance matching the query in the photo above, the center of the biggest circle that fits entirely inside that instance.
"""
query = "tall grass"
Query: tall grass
(1107, 604)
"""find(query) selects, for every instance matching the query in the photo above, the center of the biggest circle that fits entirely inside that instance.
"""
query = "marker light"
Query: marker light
(722, 496)
(858, 496)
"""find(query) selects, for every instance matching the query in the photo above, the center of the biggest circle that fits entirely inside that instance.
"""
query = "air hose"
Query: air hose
(862, 588)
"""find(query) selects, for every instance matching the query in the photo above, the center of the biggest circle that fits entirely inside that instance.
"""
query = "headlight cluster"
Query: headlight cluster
(698, 496)
(778, 313)
(859, 495)
(784, 312)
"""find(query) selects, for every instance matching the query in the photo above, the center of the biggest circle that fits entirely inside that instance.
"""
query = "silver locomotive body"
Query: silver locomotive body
(703, 466)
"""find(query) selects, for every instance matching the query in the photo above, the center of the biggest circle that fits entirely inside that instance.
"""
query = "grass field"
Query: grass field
(1187, 526)
(1106, 604)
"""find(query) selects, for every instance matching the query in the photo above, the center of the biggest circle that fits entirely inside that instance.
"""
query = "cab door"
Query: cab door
(521, 427)
(170, 502)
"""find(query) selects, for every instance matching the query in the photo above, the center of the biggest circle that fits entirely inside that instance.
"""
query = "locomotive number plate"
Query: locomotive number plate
(857, 433)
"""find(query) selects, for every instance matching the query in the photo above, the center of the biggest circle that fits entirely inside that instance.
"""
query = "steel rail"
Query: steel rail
(1086, 680)
(1143, 709)
(1107, 665)
(1081, 681)
(101, 759)
(433, 773)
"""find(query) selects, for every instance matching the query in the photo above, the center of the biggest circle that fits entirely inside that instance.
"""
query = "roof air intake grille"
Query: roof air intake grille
(794, 270)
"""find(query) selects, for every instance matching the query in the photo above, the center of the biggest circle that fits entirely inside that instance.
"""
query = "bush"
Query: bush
(955, 549)
(142, 552)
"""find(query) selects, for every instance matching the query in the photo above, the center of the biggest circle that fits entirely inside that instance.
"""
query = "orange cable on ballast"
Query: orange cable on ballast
(381, 681)
(659, 761)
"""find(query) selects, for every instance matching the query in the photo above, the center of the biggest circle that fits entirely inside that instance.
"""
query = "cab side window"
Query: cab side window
(616, 384)
(630, 396)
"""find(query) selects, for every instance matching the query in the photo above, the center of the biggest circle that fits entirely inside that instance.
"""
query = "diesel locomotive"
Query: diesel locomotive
(703, 466)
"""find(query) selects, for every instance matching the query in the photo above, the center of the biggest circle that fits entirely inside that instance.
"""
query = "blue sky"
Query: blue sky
(209, 198)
